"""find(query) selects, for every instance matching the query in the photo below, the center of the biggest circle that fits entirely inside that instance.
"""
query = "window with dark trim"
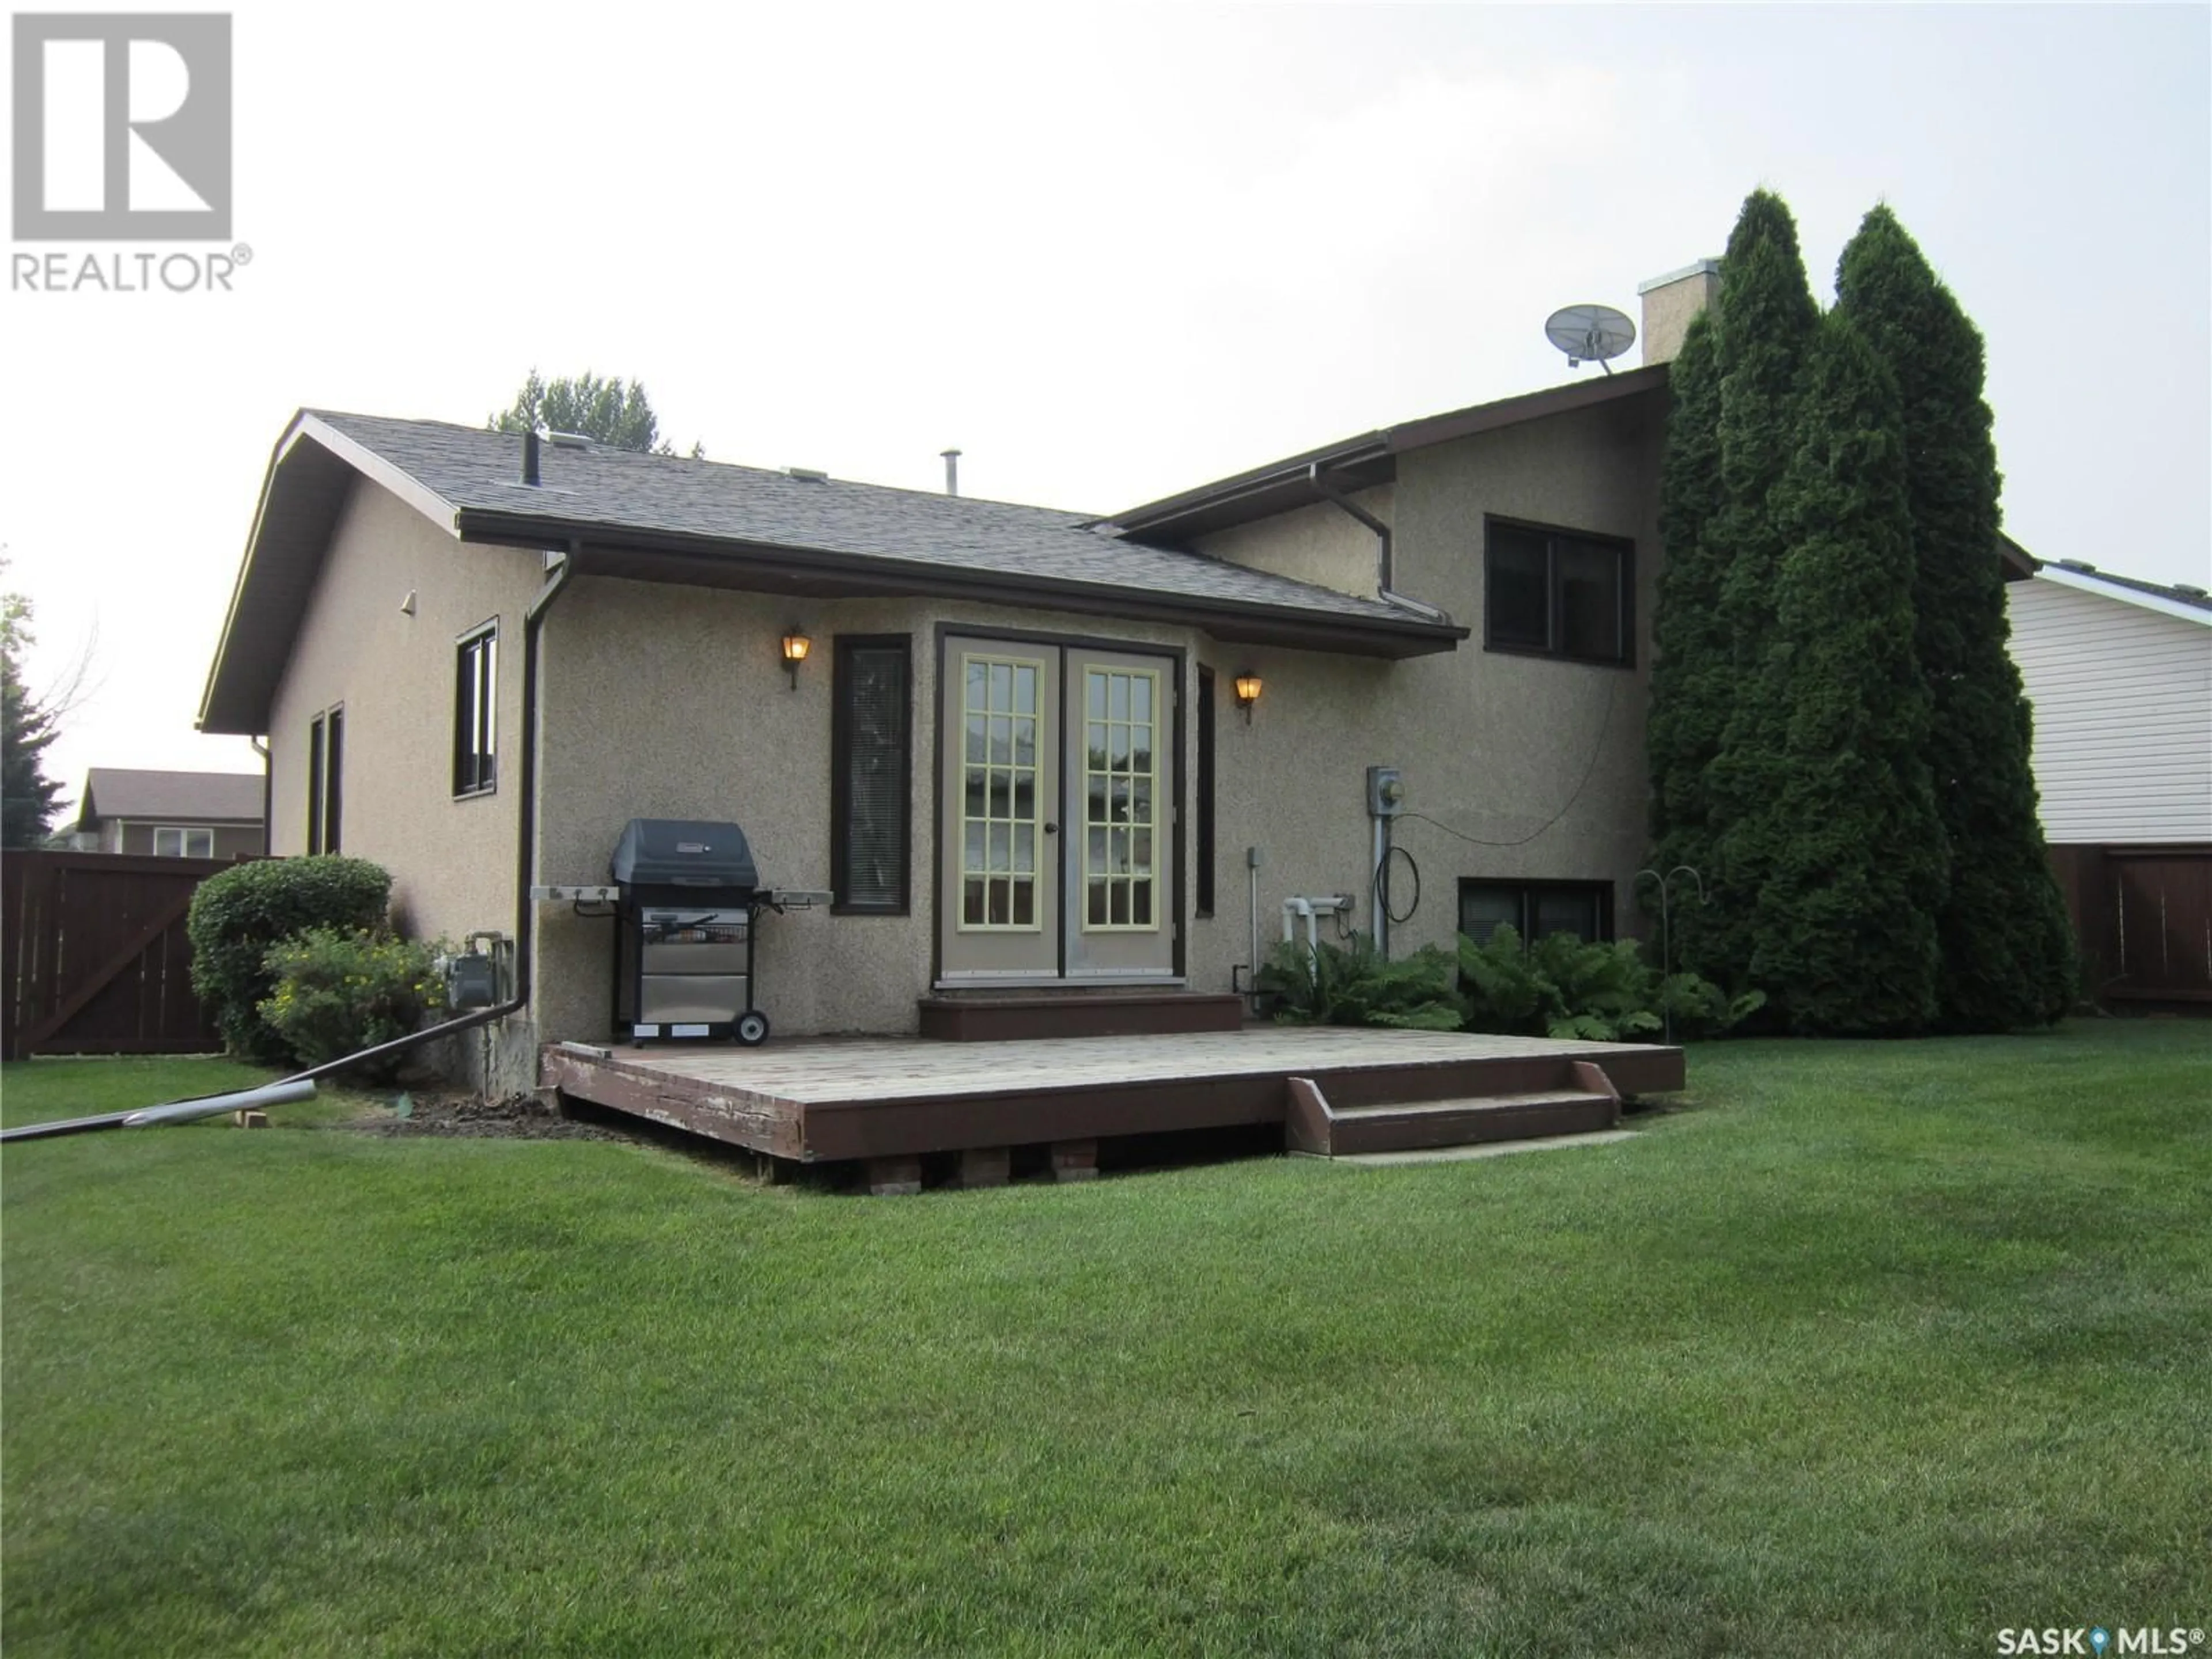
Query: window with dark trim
(872, 774)
(476, 712)
(1537, 909)
(1203, 809)
(326, 779)
(1558, 593)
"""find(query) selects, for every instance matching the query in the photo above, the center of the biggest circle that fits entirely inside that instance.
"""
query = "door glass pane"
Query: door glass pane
(999, 792)
(1119, 791)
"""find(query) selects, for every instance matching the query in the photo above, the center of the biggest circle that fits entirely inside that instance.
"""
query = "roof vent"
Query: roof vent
(805, 475)
(2075, 564)
(2192, 590)
(530, 457)
(569, 440)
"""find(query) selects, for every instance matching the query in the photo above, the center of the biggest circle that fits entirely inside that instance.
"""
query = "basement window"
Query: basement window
(871, 775)
(475, 705)
(1537, 909)
(1558, 593)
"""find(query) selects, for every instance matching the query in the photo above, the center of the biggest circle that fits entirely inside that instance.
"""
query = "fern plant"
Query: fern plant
(1351, 984)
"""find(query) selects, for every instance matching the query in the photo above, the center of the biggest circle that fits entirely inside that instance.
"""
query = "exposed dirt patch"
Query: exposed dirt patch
(434, 1112)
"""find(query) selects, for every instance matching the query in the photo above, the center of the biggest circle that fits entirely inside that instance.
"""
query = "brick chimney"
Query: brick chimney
(1670, 303)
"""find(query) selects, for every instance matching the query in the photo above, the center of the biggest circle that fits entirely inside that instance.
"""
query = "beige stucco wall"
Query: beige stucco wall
(453, 861)
(1492, 745)
(1321, 543)
(664, 701)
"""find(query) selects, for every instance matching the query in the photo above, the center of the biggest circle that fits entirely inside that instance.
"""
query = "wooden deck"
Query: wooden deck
(823, 1100)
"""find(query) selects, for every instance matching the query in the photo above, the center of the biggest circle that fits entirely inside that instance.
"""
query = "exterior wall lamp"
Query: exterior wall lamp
(1247, 693)
(796, 645)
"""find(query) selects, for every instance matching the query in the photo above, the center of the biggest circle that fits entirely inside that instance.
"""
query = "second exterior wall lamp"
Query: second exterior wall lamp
(1247, 693)
(796, 645)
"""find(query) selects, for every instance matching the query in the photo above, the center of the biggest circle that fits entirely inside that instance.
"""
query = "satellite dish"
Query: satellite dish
(1589, 334)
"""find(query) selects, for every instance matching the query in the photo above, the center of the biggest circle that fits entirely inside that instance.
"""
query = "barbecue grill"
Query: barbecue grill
(687, 904)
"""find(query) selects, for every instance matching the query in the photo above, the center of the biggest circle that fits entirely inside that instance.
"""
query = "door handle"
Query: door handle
(1050, 828)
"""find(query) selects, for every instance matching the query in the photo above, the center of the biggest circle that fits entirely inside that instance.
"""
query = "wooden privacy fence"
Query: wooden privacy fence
(2144, 916)
(93, 958)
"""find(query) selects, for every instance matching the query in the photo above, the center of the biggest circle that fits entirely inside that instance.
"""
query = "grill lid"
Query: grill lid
(683, 853)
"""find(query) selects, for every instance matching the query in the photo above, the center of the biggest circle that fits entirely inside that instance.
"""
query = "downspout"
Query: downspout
(268, 793)
(1386, 560)
(526, 916)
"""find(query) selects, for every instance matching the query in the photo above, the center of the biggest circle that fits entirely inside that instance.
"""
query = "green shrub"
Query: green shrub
(1562, 987)
(1352, 985)
(239, 913)
(335, 993)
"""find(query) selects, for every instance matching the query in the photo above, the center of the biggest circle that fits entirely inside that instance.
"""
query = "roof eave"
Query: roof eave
(628, 554)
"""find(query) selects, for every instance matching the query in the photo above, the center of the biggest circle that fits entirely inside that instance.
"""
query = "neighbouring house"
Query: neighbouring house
(1028, 750)
(193, 815)
(2120, 673)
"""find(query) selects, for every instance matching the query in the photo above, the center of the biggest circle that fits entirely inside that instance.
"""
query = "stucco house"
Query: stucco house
(197, 815)
(2120, 673)
(1016, 752)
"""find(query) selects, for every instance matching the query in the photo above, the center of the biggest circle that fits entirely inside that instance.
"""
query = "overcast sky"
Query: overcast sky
(1109, 252)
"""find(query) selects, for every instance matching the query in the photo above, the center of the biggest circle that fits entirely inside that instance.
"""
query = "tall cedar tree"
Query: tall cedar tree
(1852, 857)
(2008, 951)
(1763, 335)
(1690, 681)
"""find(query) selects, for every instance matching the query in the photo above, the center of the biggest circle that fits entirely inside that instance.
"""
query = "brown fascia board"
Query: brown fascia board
(713, 561)
(2019, 563)
(1263, 488)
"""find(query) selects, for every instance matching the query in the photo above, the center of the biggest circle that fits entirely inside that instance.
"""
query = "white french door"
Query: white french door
(1056, 850)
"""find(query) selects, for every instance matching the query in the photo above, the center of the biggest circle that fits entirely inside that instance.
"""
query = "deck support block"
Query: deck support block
(246, 1118)
(1075, 1160)
(985, 1166)
(894, 1177)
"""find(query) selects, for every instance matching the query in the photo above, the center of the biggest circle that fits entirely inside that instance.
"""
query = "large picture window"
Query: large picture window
(1556, 593)
(475, 717)
(1537, 909)
(871, 783)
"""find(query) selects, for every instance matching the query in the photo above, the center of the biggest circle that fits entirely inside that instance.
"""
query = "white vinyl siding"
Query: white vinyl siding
(2123, 699)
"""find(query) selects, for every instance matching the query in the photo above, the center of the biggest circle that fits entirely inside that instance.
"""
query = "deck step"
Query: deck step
(974, 1017)
(1409, 1125)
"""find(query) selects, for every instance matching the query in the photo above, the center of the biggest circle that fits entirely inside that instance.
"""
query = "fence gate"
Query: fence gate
(93, 958)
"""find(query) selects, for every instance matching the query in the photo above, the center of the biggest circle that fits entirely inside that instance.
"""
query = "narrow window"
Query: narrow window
(871, 775)
(1554, 593)
(476, 702)
(326, 775)
(333, 779)
(315, 785)
(1204, 878)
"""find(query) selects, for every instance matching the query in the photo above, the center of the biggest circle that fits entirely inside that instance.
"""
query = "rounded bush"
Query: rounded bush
(239, 913)
(337, 993)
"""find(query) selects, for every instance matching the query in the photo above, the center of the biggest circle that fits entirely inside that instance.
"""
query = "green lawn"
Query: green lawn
(1873, 1349)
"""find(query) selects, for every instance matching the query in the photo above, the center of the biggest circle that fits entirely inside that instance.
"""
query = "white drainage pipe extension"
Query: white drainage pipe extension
(1313, 906)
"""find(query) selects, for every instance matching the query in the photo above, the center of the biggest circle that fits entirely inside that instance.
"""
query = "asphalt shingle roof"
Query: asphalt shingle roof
(115, 792)
(477, 470)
